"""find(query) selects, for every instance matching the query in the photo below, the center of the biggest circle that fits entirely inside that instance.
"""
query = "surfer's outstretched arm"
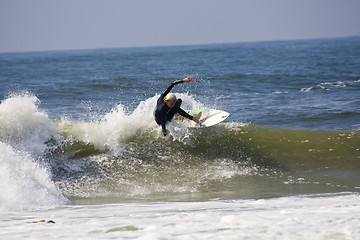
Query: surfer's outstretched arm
(187, 80)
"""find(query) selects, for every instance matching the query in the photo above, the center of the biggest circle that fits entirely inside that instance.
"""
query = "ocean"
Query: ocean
(81, 156)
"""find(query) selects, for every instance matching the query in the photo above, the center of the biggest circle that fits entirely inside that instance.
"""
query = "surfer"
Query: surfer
(167, 105)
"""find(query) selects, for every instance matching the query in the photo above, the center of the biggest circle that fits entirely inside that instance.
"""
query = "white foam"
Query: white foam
(306, 89)
(328, 85)
(117, 126)
(24, 125)
(24, 184)
(334, 84)
(112, 129)
(305, 217)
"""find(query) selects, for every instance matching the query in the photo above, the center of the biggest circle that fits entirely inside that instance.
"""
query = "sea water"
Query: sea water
(81, 156)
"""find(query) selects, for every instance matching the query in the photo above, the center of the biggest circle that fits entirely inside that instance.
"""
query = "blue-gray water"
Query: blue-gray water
(86, 117)
(298, 84)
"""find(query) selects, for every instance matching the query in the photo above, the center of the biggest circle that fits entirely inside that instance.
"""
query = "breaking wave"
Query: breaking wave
(123, 156)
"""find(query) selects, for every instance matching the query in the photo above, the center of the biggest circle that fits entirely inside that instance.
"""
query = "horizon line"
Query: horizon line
(178, 45)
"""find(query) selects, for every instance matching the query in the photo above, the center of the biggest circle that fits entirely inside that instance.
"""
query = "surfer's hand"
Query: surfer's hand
(188, 79)
(164, 132)
(197, 117)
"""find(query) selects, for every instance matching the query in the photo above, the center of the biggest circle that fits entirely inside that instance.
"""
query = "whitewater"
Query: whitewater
(82, 157)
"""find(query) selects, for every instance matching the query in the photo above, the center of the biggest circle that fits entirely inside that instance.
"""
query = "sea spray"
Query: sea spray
(24, 125)
(107, 133)
(115, 129)
(24, 183)
(25, 179)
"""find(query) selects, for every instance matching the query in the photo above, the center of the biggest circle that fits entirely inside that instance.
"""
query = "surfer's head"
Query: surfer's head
(170, 100)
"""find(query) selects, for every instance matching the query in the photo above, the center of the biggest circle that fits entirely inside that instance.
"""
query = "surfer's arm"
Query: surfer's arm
(169, 88)
(187, 80)
(185, 114)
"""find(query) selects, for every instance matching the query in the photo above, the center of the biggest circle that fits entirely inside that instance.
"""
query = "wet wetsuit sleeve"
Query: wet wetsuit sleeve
(169, 88)
(184, 114)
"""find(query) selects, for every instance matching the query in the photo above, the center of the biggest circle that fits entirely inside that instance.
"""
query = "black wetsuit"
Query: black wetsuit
(163, 113)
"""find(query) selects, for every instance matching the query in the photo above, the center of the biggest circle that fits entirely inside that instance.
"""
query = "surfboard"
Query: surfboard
(209, 117)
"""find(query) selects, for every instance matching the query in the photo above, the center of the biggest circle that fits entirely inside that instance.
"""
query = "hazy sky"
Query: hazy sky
(32, 25)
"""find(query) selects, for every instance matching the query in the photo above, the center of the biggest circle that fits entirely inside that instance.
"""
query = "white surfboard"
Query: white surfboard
(209, 117)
